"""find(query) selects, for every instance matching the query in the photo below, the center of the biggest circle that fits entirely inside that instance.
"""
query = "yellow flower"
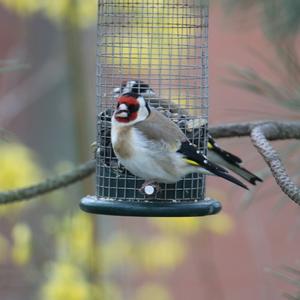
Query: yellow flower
(65, 282)
(23, 7)
(80, 12)
(108, 290)
(18, 169)
(149, 42)
(116, 251)
(69, 276)
(220, 224)
(178, 226)
(154, 254)
(161, 253)
(152, 291)
(74, 238)
(22, 239)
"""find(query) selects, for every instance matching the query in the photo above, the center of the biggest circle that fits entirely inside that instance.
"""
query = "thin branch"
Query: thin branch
(259, 136)
(280, 130)
(49, 185)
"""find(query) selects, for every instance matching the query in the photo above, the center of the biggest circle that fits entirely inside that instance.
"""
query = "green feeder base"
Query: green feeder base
(145, 208)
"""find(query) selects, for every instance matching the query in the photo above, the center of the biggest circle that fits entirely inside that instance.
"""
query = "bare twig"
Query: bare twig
(49, 185)
(259, 136)
(282, 130)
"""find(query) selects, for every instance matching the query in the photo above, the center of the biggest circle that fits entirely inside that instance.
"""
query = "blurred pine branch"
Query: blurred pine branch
(290, 275)
(11, 65)
(286, 67)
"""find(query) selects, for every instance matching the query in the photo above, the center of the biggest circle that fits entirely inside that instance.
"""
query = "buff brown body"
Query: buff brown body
(153, 147)
(215, 153)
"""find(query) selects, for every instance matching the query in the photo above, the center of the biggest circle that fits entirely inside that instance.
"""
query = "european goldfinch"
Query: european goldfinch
(152, 147)
(215, 153)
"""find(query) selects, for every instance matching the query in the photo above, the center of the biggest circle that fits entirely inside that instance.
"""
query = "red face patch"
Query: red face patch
(128, 100)
(133, 107)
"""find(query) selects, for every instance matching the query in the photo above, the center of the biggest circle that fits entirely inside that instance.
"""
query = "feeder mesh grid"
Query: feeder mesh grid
(163, 43)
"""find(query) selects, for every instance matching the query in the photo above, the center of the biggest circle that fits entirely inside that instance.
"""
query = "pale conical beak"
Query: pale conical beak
(122, 111)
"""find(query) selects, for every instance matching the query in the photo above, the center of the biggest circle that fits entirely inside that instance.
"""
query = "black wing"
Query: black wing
(233, 162)
(196, 158)
(212, 145)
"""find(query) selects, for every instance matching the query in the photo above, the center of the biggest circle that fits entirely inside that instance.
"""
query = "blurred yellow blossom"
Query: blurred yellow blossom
(177, 226)
(23, 7)
(22, 239)
(65, 282)
(80, 12)
(73, 275)
(148, 43)
(152, 291)
(151, 255)
(109, 291)
(118, 250)
(76, 240)
(18, 169)
(220, 224)
(162, 253)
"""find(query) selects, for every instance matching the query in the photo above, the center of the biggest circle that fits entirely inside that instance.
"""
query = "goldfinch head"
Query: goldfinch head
(131, 108)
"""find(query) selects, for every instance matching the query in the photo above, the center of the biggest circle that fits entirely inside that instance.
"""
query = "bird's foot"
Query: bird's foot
(95, 149)
(150, 188)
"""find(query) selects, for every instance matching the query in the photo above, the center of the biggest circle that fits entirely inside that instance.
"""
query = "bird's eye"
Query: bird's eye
(133, 108)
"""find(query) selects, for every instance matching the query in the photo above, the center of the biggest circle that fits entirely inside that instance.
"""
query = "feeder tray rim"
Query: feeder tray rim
(148, 208)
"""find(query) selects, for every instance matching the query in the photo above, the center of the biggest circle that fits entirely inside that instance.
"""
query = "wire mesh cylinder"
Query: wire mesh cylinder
(163, 44)
(158, 46)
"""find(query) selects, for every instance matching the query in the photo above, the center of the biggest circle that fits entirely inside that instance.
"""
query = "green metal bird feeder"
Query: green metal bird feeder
(164, 44)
